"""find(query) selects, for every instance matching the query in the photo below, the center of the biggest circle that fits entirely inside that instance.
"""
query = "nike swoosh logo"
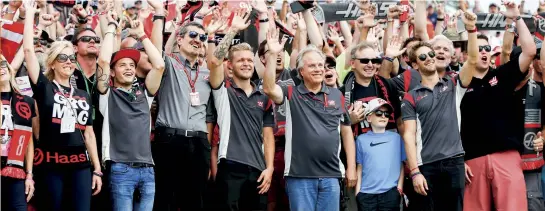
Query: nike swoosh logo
(376, 144)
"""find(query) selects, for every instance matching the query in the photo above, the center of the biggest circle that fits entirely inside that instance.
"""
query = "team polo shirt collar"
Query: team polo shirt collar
(442, 82)
(186, 62)
(303, 89)
(254, 86)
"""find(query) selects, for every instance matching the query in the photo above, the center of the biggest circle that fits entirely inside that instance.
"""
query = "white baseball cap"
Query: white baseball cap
(374, 104)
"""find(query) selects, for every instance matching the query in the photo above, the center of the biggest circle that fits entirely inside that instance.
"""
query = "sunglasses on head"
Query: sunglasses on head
(374, 61)
(89, 38)
(194, 34)
(486, 48)
(423, 56)
(42, 42)
(380, 113)
(4, 64)
(62, 58)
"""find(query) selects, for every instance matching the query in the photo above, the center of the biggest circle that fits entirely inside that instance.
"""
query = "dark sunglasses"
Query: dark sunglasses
(487, 48)
(374, 61)
(4, 64)
(423, 56)
(194, 34)
(89, 38)
(62, 58)
(42, 42)
(380, 113)
(330, 66)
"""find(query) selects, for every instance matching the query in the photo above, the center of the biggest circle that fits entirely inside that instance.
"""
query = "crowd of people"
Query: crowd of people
(111, 113)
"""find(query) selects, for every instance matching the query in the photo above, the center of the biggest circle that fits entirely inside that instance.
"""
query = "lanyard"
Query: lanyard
(188, 74)
(64, 92)
(85, 79)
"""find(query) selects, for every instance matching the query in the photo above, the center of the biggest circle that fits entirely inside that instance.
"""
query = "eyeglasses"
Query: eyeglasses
(3, 64)
(487, 48)
(380, 113)
(62, 58)
(42, 42)
(89, 38)
(194, 34)
(374, 61)
(423, 56)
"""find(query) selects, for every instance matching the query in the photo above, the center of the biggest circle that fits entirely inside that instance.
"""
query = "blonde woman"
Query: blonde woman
(67, 140)
(17, 145)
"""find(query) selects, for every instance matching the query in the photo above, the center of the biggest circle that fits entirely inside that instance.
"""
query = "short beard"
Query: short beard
(42, 60)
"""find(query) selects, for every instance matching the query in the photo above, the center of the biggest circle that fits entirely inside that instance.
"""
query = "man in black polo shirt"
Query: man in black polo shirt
(488, 131)
(316, 117)
(431, 128)
(126, 109)
(245, 121)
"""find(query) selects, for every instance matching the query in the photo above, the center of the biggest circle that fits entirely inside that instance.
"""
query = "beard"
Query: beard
(42, 60)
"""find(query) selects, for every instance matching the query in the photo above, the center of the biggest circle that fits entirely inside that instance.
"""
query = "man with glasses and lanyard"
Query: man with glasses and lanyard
(181, 143)
(435, 152)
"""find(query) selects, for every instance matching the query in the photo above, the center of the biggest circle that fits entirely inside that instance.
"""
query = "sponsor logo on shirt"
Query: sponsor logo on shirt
(331, 103)
(260, 104)
(421, 97)
(205, 77)
(493, 81)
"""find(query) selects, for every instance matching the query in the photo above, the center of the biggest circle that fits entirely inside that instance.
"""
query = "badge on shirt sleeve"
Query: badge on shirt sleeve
(195, 99)
(68, 122)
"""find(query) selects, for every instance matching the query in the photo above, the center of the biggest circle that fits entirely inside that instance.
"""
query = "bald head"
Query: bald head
(128, 42)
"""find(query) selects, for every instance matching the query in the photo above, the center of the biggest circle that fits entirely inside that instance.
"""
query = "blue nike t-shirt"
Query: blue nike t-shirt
(381, 155)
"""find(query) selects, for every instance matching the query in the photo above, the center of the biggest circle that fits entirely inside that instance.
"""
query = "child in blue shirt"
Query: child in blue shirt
(379, 157)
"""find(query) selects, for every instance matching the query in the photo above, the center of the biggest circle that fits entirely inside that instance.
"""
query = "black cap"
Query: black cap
(45, 36)
(492, 5)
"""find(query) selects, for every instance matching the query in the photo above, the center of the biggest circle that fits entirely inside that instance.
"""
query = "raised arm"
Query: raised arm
(507, 44)
(314, 33)
(32, 65)
(270, 87)
(420, 20)
(158, 25)
(239, 22)
(468, 70)
(525, 37)
(153, 79)
(392, 51)
(106, 52)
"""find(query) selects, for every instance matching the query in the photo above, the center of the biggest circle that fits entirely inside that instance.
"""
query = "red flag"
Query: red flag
(11, 39)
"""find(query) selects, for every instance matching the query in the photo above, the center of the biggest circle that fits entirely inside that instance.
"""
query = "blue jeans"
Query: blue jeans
(13, 194)
(125, 180)
(308, 194)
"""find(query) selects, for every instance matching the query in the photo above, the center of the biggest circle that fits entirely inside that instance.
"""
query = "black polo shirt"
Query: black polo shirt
(313, 140)
(241, 119)
(489, 112)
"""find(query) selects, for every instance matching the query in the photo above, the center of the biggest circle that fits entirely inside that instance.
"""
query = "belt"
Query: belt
(181, 132)
(139, 165)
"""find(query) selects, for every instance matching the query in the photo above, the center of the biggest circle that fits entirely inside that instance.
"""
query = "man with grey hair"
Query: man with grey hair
(181, 142)
(444, 49)
(316, 117)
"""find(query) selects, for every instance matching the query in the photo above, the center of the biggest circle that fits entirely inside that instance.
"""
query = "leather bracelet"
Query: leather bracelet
(413, 169)
(440, 19)
(472, 30)
(142, 38)
(158, 17)
(264, 20)
(98, 174)
(388, 59)
(212, 41)
(518, 18)
(400, 191)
